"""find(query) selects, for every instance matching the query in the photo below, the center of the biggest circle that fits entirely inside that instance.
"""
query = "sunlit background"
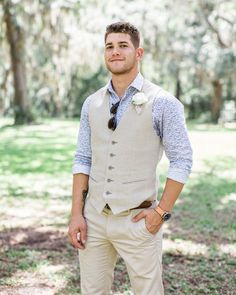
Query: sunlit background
(190, 50)
(51, 59)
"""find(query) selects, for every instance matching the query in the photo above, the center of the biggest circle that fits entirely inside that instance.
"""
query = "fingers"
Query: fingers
(153, 221)
(75, 242)
(139, 216)
(78, 239)
(83, 235)
(77, 232)
(153, 229)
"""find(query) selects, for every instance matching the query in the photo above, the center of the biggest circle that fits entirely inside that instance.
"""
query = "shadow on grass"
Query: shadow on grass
(198, 274)
(30, 249)
(208, 275)
(34, 239)
(37, 148)
(38, 158)
(5, 127)
(37, 251)
(206, 213)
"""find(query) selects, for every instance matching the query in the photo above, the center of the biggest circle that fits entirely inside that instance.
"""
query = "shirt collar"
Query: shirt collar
(137, 84)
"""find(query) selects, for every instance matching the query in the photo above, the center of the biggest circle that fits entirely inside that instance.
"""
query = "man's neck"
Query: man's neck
(121, 82)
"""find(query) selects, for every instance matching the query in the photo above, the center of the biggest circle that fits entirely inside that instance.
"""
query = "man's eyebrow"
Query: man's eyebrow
(121, 42)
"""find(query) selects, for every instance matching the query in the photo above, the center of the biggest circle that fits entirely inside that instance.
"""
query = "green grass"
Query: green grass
(35, 187)
(36, 149)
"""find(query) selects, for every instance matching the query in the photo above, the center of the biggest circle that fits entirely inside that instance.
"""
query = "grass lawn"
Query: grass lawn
(35, 192)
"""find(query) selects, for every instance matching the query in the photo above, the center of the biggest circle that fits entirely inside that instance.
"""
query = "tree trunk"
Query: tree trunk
(178, 85)
(216, 101)
(3, 93)
(229, 92)
(16, 41)
(178, 88)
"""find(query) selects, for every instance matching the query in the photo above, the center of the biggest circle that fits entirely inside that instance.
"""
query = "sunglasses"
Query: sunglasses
(112, 122)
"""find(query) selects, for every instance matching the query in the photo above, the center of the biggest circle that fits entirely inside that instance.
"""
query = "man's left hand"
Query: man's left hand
(153, 220)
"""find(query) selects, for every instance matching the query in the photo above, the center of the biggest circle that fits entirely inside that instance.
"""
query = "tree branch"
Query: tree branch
(211, 26)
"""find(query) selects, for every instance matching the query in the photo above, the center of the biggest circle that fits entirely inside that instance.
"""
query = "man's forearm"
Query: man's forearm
(80, 184)
(170, 194)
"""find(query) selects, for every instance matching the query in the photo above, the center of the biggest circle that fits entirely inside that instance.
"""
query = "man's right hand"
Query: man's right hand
(77, 226)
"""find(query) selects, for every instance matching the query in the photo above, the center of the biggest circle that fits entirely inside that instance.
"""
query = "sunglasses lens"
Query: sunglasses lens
(112, 122)
(113, 109)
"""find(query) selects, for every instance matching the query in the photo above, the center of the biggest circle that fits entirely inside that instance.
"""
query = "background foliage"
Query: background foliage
(190, 50)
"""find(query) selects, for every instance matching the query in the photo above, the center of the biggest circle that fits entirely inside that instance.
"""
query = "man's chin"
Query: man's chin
(118, 71)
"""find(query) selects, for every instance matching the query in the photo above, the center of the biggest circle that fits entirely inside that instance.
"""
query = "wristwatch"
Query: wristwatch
(165, 215)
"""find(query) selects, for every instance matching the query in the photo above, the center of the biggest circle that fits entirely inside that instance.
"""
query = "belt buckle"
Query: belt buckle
(107, 211)
(125, 213)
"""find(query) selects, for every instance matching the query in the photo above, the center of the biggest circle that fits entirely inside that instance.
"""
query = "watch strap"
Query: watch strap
(160, 211)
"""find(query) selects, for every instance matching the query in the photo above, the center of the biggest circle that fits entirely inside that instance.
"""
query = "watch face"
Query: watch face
(166, 216)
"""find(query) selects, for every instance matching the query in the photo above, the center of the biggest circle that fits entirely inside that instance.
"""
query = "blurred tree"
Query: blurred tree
(219, 17)
(15, 37)
(188, 51)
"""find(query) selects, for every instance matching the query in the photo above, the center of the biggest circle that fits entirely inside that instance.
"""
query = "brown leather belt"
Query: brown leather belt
(143, 205)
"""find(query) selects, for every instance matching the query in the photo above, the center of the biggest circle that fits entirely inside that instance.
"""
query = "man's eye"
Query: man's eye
(123, 45)
(108, 47)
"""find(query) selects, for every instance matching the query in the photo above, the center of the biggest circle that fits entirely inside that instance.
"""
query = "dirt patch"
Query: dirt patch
(28, 290)
(34, 238)
(198, 275)
(179, 227)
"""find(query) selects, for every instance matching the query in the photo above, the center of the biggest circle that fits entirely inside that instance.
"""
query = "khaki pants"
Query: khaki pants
(109, 235)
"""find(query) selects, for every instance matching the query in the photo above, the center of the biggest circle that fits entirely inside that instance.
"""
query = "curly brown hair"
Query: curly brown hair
(124, 27)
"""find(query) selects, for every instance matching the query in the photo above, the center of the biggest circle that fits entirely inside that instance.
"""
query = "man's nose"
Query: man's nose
(115, 51)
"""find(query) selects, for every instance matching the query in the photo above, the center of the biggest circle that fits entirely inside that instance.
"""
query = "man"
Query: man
(124, 128)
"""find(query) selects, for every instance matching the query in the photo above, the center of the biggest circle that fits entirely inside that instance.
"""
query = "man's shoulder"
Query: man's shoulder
(99, 92)
(161, 93)
(153, 89)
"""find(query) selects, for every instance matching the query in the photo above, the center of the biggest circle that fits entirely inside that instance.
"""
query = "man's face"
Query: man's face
(120, 55)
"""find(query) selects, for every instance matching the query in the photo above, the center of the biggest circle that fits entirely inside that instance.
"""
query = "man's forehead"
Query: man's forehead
(118, 37)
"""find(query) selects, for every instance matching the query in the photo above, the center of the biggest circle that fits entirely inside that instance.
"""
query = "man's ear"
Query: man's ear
(139, 53)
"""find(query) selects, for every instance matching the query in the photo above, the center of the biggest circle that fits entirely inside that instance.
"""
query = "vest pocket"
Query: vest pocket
(132, 181)
(93, 179)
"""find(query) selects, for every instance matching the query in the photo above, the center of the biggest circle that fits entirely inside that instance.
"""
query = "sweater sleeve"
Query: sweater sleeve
(82, 157)
(169, 123)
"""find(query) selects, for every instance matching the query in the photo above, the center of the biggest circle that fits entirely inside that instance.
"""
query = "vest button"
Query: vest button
(114, 142)
(108, 193)
(110, 167)
(112, 155)
(109, 180)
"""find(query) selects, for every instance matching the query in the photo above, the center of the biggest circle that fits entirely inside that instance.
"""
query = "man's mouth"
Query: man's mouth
(116, 60)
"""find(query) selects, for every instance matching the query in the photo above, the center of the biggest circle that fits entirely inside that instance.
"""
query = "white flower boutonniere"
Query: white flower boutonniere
(138, 100)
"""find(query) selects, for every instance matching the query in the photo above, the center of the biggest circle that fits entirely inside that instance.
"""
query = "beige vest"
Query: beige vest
(123, 171)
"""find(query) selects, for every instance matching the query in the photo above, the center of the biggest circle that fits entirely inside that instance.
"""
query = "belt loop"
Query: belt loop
(106, 211)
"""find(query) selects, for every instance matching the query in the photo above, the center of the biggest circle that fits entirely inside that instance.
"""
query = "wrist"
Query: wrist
(76, 213)
(75, 218)
(165, 215)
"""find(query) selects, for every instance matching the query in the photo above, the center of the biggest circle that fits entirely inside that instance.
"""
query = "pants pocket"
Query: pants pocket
(144, 227)
(138, 228)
